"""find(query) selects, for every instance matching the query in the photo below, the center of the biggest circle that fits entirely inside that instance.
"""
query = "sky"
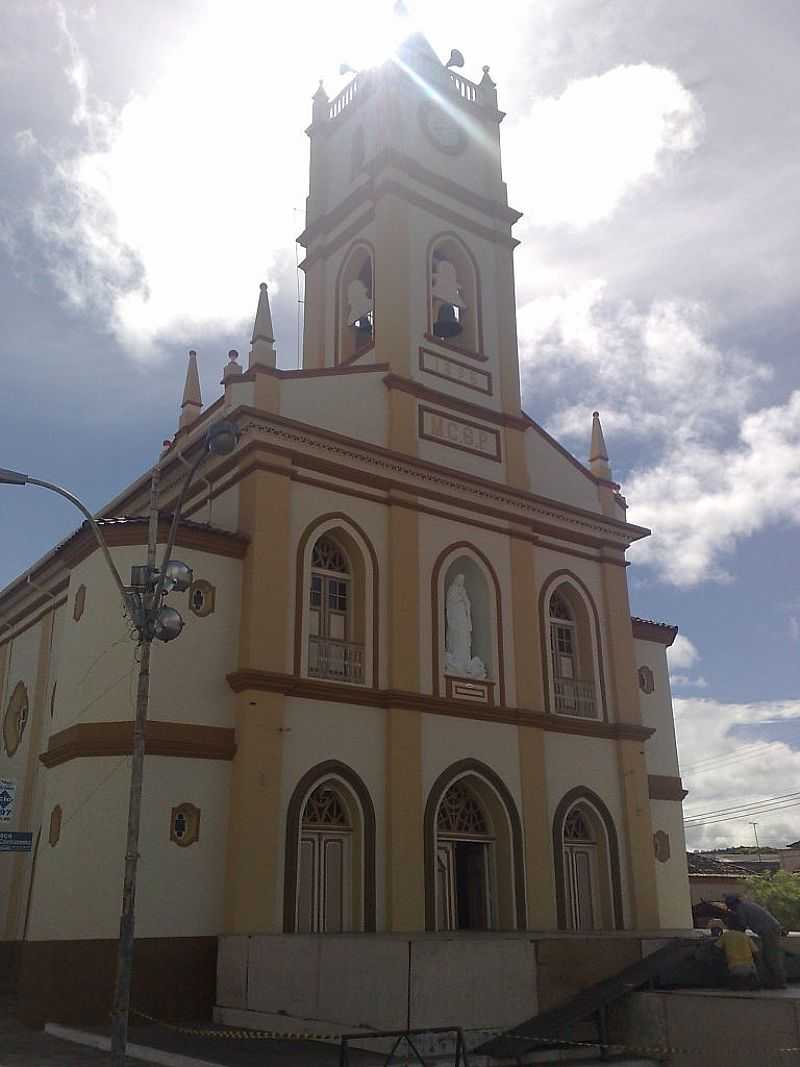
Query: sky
(153, 171)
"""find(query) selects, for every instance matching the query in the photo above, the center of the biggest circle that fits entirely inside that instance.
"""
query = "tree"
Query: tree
(779, 893)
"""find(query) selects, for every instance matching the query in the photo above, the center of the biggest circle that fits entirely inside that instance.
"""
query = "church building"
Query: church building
(409, 702)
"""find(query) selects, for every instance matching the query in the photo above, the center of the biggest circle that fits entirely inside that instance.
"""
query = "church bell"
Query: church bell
(447, 324)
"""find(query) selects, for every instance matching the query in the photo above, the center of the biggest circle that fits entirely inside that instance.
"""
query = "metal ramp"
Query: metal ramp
(553, 1029)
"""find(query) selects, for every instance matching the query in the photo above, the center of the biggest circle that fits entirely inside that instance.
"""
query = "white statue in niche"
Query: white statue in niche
(458, 641)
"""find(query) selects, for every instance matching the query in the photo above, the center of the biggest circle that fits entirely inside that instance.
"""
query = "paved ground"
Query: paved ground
(20, 1045)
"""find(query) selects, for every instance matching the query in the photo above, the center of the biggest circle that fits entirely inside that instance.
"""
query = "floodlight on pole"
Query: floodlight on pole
(151, 619)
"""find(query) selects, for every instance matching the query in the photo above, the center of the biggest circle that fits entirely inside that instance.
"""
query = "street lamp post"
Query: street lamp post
(143, 603)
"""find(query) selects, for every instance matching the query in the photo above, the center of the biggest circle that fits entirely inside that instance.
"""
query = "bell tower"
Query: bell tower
(410, 252)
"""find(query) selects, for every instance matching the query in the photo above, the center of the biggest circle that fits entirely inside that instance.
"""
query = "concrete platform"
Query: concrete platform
(714, 1027)
(395, 981)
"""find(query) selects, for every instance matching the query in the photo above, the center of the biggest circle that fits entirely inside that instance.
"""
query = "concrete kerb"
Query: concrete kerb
(139, 1052)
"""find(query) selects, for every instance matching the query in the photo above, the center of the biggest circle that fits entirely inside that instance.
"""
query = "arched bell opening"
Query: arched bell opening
(356, 305)
(453, 296)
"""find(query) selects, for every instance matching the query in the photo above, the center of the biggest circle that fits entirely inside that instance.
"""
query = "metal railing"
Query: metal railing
(575, 698)
(345, 97)
(464, 87)
(341, 660)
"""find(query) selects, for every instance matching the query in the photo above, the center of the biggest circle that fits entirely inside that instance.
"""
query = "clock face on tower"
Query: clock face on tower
(442, 129)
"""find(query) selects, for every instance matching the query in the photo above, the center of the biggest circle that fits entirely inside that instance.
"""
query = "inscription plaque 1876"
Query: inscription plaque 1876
(459, 433)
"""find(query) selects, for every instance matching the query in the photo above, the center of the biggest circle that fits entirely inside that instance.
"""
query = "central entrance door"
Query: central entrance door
(464, 862)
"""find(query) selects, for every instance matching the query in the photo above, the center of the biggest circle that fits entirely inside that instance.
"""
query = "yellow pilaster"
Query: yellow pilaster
(253, 878)
(314, 316)
(508, 354)
(631, 754)
(264, 516)
(393, 276)
(639, 827)
(531, 740)
(516, 463)
(252, 885)
(21, 865)
(267, 392)
(405, 860)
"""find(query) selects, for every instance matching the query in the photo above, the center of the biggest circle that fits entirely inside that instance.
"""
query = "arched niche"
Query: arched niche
(463, 560)
(454, 314)
(355, 304)
(330, 814)
(587, 864)
(336, 645)
(474, 864)
(571, 649)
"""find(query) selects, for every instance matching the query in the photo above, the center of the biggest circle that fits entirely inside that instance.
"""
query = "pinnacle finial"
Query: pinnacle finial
(232, 367)
(598, 453)
(192, 403)
(263, 341)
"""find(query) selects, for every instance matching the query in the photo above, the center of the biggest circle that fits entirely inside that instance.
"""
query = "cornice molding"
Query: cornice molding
(665, 787)
(660, 633)
(392, 159)
(182, 740)
(350, 458)
(128, 533)
(340, 693)
(435, 396)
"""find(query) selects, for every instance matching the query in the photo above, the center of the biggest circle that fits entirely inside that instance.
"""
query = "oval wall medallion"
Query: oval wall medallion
(661, 846)
(184, 827)
(16, 718)
(202, 595)
(56, 816)
(80, 602)
(647, 682)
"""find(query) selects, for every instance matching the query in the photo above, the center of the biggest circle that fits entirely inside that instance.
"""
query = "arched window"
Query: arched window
(453, 297)
(336, 603)
(572, 655)
(332, 652)
(586, 874)
(325, 888)
(356, 305)
(474, 877)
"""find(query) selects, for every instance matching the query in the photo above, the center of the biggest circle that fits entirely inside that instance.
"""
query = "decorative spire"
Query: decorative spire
(232, 367)
(320, 112)
(263, 341)
(487, 90)
(192, 403)
(598, 454)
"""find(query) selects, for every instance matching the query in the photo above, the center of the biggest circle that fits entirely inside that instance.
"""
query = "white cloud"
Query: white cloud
(574, 157)
(794, 628)
(724, 767)
(716, 468)
(682, 652)
(654, 373)
(701, 499)
(685, 681)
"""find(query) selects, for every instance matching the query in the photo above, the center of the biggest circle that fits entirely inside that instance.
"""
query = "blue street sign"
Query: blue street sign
(15, 841)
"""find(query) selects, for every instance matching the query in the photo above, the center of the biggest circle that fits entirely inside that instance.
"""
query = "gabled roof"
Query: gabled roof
(661, 633)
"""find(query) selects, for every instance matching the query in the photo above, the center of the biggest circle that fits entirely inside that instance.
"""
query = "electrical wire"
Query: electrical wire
(739, 807)
(743, 816)
(723, 757)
